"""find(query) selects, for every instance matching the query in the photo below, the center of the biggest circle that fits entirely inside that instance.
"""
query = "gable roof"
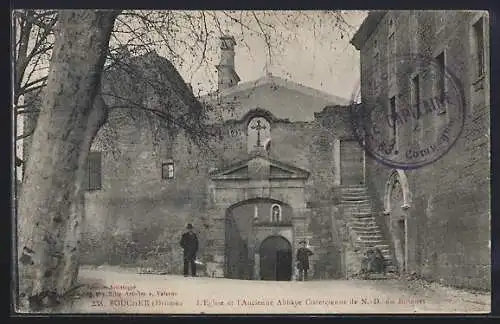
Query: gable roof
(279, 170)
(273, 80)
(367, 27)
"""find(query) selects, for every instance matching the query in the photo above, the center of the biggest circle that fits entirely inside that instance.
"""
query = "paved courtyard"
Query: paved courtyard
(117, 290)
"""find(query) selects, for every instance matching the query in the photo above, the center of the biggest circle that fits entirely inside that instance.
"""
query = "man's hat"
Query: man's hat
(189, 226)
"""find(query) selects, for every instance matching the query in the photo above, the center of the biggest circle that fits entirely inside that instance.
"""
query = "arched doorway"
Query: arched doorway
(397, 199)
(276, 259)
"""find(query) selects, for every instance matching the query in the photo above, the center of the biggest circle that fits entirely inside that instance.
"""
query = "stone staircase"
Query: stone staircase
(362, 226)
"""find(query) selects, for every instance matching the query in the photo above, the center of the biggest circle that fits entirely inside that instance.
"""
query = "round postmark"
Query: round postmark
(409, 112)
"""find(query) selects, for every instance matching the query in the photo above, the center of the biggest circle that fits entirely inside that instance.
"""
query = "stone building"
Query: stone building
(270, 178)
(285, 166)
(437, 217)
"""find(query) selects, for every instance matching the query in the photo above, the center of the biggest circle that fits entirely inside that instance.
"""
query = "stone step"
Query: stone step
(363, 231)
(391, 268)
(354, 210)
(382, 247)
(365, 224)
(361, 218)
(362, 228)
(356, 202)
(353, 186)
(354, 193)
(362, 221)
(368, 236)
(357, 199)
(359, 215)
(372, 245)
(349, 189)
(370, 242)
(357, 207)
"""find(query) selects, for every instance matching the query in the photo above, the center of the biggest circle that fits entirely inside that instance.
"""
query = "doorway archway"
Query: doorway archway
(275, 259)
(397, 202)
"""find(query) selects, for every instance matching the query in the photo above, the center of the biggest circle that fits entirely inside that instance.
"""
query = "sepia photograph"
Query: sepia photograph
(250, 161)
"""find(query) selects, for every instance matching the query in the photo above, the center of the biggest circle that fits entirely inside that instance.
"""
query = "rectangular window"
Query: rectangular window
(392, 116)
(167, 170)
(440, 82)
(415, 95)
(376, 73)
(479, 46)
(391, 54)
(92, 180)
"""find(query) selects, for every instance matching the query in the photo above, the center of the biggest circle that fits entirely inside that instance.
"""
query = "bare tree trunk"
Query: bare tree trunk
(81, 42)
(77, 209)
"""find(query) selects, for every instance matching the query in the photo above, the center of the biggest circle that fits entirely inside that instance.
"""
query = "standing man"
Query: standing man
(189, 242)
(303, 254)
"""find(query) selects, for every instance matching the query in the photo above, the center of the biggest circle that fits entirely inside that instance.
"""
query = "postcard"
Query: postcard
(251, 162)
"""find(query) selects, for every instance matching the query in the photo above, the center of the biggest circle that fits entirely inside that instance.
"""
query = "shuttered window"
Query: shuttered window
(92, 180)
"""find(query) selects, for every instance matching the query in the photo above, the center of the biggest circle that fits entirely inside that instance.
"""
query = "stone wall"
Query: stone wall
(449, 216)
(135, 203)
(140, 216)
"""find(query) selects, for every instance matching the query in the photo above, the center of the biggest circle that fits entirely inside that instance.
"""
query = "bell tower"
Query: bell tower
(227, 76)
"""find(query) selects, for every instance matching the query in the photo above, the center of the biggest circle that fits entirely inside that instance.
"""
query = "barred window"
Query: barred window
(92, 180)
(167, 170)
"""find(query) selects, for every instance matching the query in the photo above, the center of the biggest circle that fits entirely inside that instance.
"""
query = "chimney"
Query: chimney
(226, 74)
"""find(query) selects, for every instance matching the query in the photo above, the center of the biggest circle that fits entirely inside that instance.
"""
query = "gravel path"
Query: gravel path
(116, 290)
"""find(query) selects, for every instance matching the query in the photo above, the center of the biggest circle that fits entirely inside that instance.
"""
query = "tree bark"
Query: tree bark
(81, 42)
(77, 209)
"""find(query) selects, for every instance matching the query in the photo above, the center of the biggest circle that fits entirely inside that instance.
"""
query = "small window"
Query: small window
(415, 95)
(167, 170)
(376, 72)
(275, 213)
(440, 83)
(393, 114)
(479, 46)
(92, 180)
(392, 27)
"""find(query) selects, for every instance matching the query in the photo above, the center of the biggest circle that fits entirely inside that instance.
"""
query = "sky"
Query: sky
(311, 51)
(315, 56)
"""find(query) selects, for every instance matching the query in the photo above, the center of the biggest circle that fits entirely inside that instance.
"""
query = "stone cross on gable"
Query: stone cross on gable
(258, 128)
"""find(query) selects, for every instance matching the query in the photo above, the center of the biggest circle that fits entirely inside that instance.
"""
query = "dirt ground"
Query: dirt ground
(118, 290)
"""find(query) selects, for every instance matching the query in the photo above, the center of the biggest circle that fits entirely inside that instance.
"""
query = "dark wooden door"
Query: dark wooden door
(351, 163)
(283, 265)
(267, 266)
(275, 259)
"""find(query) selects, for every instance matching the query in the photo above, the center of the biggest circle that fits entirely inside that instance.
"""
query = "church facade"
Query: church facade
(268, 180)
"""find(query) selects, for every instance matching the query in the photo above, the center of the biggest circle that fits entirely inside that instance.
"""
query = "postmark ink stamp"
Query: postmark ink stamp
(402, 129)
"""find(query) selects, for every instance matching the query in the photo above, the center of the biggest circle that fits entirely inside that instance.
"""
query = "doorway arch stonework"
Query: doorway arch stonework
(256, 178)
(397, 202)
